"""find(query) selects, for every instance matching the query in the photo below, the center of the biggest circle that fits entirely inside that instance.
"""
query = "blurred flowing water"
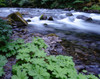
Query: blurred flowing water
(61, 21)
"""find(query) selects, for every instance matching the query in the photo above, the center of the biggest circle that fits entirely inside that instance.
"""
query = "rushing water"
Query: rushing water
(61, 21)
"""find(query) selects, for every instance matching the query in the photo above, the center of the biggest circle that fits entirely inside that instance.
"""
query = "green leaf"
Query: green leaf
(1, 71)
(20, 75)
(39, 73)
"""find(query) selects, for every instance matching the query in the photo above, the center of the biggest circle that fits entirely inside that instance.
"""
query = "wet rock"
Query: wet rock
(45, 24)
(80, 67)
(8, 76)
(52, 34)
(54, 46)
(92, 11)
(11, 22)
(50, 18)
(69, 14)
(8, 68)
(84, 17)
(28, 20)
(94, 69)
(68, 33)
(67, 9)
(37, 35)
(78, 50)
(43, 17)
(17, 19)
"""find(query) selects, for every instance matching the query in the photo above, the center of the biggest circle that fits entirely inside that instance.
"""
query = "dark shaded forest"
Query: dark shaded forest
(74, 4)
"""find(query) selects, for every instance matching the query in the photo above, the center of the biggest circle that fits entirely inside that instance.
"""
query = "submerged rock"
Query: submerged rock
(17, 19)
(28, 20)
(45, 24)
(69, 14)
(84, 17)
(50, 18)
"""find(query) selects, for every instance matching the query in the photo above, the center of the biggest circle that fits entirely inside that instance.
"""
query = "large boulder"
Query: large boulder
(16, 18)
(84, 17)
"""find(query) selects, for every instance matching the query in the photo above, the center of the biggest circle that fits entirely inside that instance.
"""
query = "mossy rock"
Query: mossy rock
(52, 34)
(17, 18)
(43, 17)
(11, 21)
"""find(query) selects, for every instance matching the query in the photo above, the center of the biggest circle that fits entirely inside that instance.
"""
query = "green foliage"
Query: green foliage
(3, 61)
(51, 3)
(6, 46)
(2, 2)
(95, 7)
(33, 63)
(85, 8)
(78, 1)
(47, 3)
(20, 75)
(5, 32)
(11, 47)
(20, 2)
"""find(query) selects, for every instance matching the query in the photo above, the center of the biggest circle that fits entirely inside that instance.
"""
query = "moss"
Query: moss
(52, 34)
(17, 18)
(43, 17)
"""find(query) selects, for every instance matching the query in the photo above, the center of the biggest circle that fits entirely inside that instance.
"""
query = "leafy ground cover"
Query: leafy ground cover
(3, 61)
(33, 63)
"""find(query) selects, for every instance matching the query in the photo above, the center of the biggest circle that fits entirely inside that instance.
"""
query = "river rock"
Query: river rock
(84, 17)
(67, 9)
(17, 18)
(80, 67)
(69, 14)
(43, 17)
(50, 18)
(29, 20)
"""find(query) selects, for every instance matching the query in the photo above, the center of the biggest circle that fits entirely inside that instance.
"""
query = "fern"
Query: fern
(39, 73)
(3, 61)
(20, 75)
(5, 32)
(78, 1)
